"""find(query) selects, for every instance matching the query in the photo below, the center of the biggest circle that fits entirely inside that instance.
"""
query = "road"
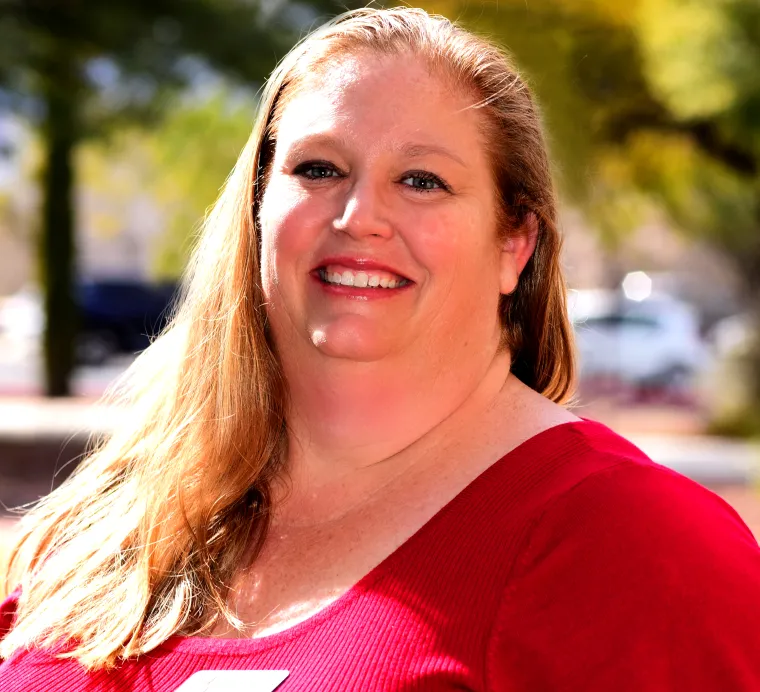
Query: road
(21, 371)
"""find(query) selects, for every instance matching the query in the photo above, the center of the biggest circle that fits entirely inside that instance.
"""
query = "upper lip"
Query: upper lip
(359, 264)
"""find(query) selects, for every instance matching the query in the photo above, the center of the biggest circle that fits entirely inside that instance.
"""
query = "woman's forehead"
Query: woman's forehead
(342, 72)
(391, 96)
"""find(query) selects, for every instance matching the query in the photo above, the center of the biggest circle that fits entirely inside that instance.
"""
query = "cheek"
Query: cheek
(457, 245)
(290, 222)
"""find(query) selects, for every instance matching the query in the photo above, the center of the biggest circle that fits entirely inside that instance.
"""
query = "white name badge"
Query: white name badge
(233, 681)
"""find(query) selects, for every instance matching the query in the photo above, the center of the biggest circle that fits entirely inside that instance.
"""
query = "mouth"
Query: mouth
(336, 275)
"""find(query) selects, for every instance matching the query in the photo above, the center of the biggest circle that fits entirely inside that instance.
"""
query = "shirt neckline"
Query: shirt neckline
(247, 646)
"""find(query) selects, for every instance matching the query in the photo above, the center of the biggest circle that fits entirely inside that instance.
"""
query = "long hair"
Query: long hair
(142, 541)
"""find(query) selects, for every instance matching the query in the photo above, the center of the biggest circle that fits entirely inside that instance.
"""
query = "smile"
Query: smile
(361, 279)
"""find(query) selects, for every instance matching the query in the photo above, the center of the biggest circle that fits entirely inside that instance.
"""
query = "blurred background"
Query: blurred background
(120, 121)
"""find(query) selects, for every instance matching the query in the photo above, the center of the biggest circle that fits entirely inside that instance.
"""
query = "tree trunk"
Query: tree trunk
(57, 251)
(749, 262)
(754, 354)
(754, 365)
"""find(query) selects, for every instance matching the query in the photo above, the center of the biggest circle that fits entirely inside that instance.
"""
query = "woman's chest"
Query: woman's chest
(302, 571)
(389, 637)
(352, 660)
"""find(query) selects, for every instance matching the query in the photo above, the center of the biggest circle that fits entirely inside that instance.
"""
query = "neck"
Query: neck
(347, 416)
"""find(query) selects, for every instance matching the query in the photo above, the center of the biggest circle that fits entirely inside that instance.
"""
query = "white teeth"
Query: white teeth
(360, 279)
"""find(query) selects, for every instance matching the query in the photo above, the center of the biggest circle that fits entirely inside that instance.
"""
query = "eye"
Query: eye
(316, 170)
(423, 181)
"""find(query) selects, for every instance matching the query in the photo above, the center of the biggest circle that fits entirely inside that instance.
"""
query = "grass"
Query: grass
(743, 423)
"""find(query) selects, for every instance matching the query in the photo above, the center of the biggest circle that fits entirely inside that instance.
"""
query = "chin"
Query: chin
(363, 346)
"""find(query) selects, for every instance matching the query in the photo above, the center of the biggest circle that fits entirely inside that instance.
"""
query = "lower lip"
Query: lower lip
(359, 293)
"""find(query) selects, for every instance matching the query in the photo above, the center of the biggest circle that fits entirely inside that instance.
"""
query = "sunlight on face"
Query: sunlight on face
(378, 221)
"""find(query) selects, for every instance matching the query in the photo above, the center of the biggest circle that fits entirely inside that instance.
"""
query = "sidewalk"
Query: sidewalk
(708, 460)
(40, 442)
(35, 418)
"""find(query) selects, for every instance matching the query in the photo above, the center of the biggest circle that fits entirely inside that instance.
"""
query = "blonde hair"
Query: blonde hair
(141, 542)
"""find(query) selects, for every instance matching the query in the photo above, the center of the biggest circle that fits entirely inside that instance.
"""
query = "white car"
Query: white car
(21, 314)
(652, 342)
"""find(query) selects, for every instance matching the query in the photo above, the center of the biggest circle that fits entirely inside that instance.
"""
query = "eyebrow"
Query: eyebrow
(416, 150)
(319, 140)
(410, 149)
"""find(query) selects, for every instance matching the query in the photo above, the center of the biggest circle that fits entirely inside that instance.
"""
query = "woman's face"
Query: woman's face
(378, 220)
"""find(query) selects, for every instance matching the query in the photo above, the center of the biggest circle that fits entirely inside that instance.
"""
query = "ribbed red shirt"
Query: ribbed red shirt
(573, 563)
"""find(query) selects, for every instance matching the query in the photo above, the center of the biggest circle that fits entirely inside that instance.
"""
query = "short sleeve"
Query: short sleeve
(636, 579)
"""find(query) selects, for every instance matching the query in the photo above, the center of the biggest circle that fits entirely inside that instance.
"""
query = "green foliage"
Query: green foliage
(743, 424)
(694, 56)
(651, 105)
(194, 150)
(179, 166)
(87, 67)
(649, 102)
(128, 53)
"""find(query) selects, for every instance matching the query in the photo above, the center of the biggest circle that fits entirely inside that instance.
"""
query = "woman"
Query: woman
(348, 467)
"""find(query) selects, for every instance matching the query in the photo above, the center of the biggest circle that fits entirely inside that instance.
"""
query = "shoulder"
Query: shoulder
(631, 575)
(560, 467)
(584, 467)
(611, 493)
(611, 504)
(583, 488)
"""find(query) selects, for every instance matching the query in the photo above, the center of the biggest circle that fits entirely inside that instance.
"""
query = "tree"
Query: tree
(80, 68)
(649, 103)
(182, 181)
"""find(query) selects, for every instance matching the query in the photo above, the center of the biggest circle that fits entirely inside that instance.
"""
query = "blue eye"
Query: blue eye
(423, 181)
(316, 170)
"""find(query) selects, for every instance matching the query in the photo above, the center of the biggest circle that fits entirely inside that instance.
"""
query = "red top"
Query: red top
(573, 563)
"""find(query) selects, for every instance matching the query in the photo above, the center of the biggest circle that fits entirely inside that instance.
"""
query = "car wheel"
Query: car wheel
(95, 348)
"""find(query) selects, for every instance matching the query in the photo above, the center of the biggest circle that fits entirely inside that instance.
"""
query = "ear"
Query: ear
(516, 250)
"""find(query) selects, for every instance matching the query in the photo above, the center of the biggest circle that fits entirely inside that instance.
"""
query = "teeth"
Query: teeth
(360, 279)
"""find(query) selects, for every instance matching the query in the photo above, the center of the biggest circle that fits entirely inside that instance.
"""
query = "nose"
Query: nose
(364, 214)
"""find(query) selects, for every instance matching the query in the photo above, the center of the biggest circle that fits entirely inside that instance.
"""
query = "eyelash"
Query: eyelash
(426, 176)
(303, 169)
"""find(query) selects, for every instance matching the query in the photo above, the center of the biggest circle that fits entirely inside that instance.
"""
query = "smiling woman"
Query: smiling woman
(405, 196)
(347, 464)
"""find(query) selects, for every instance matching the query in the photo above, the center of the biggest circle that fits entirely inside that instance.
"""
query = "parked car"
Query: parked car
(116, 316)
(651, 343)
(733, 336)
(120, 317)
(21, 315)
